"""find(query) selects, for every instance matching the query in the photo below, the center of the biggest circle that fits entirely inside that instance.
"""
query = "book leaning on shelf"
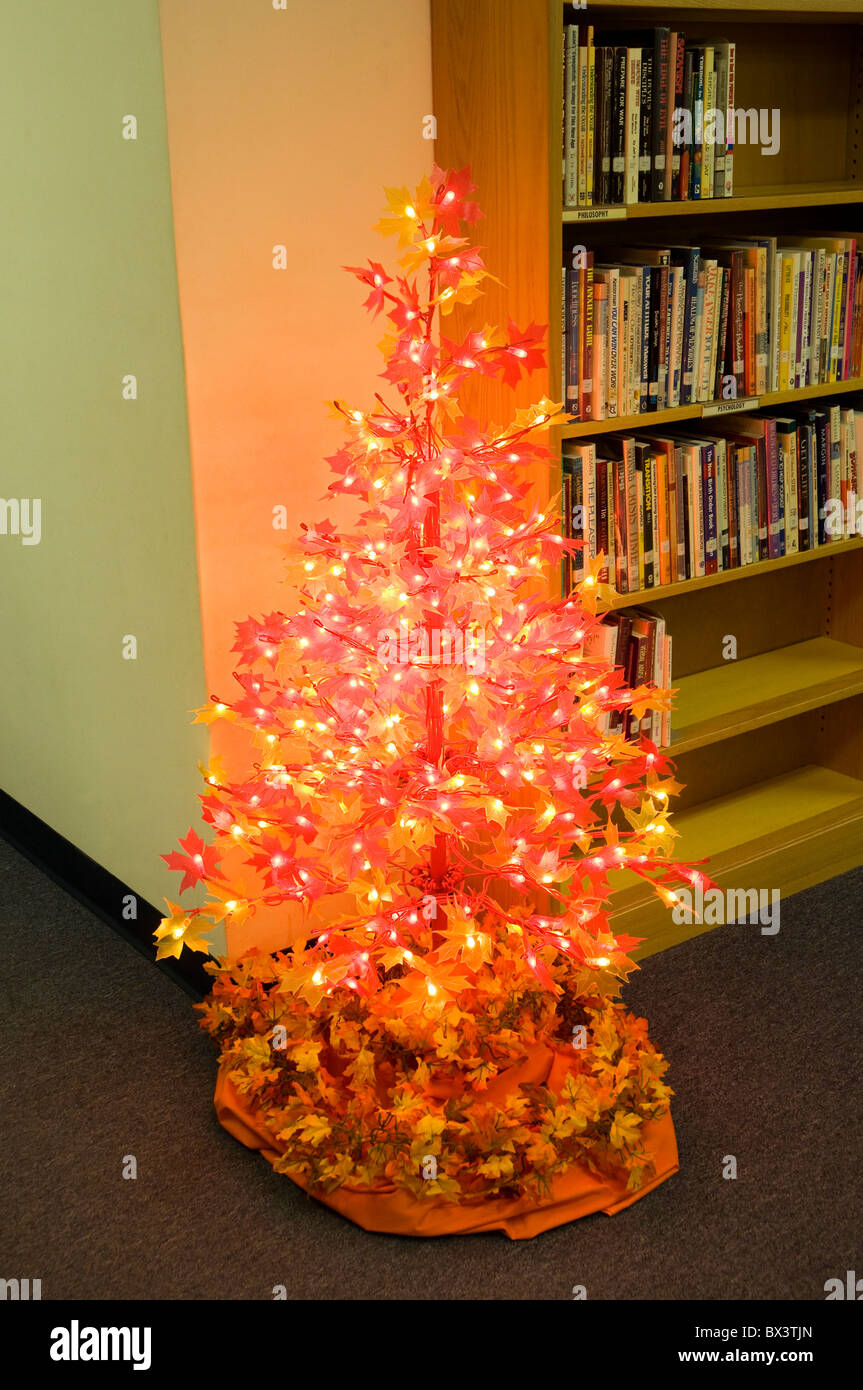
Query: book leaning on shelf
(638, 642)
(647, 117)
(657, 327)
(678, 503)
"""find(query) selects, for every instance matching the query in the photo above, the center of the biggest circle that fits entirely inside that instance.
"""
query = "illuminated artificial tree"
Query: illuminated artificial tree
(432, 748)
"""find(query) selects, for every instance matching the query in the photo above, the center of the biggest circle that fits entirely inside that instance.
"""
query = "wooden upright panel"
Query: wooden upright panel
(490, 80)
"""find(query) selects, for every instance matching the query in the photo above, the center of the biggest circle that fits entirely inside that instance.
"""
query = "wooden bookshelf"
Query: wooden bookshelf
(709, 581)
(628, 423)
(837, 194)
(770, 745)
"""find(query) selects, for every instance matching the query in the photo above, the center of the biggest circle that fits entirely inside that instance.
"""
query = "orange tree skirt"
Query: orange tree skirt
(385, 1207)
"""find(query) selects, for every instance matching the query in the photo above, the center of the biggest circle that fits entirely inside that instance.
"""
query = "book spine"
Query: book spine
(676, 50)
(588, 456)
(775, 323)
(729, 123)
(733, 508)
(666, 682)
(634, 354)
(738, 287)
(618, 127)
(663, 77)
(621, 543)
(665, 334)
(684, 570)
(623, 312)
(640, 538)
(720, 61)
(685, 132)
(647, 520)
(613, 342)
(708, 484)
(585, 381)
(573, 340)
(797, 321)
(633, 120)
(749, 330)
(805, 323)
(815, 317)
(823, 474)
(570, 146)
(691, 297)
(646, 320)
(805, 503)
(781, 506)
(744, 507)
(705, 382)
(699, 332)
(678, 312)
(603, 162)
(698, 124)
(663, 516)
(582, 124)
(722, 340)
(837, 311)
(602, 531)
(784, 495)
(835, 418)
(567, 530)
(645, 133)
(632, 517)
(697, 510)
(590, 140)
(785, 323)
(762, 343)
(827, 312)
(600, 347)
(722, 546)
(849, 310)
(709, 133)
(761, 493)
(843, 299)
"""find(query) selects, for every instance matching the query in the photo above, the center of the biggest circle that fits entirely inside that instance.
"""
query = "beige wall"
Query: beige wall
(99, 747)
(283, 127)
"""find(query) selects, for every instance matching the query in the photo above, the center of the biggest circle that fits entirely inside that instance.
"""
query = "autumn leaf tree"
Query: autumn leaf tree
(431, 743)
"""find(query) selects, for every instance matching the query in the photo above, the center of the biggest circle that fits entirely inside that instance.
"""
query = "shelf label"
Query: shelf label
(729, 407)
(616, 214)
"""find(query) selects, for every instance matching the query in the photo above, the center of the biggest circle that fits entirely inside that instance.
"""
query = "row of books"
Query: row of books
(651, 328)
(639, 642)
(647, 117)
(678, 504)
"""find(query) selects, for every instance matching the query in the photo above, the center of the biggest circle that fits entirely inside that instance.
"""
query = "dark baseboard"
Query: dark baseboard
(98, 890)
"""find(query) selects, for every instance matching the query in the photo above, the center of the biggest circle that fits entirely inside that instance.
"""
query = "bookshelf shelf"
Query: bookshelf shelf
(757, 12)
(708, 581)
(747, 200)
(769, 748)
(720, 704)
(586, 429)
(813, 813)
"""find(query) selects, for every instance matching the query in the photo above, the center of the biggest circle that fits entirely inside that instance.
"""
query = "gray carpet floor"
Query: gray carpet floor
(102, 1058)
